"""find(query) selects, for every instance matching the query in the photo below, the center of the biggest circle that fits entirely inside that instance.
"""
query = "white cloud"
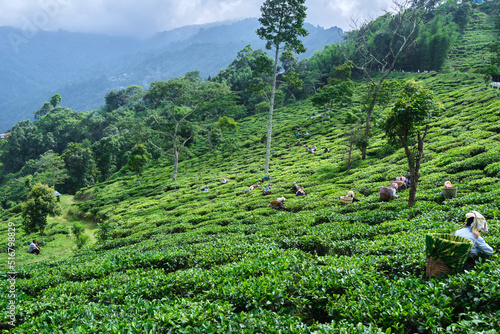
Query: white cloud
(145, 17)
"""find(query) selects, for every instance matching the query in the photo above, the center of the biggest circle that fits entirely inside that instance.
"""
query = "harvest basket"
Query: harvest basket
(385, 194)
(344, 200)
(450, 192)
(274, 205)
(445, 253)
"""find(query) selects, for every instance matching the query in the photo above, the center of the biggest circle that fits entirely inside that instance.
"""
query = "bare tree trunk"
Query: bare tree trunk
(402, 36)
(414, 162)
(209, 141)
(271, 108)
(349, 163)
(176, 162)
(199, 181)
(414, 167)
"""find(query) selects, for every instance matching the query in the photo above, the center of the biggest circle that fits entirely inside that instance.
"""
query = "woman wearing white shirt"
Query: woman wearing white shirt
(474, 226)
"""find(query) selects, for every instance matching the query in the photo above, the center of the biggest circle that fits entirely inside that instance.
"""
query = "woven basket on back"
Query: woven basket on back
(385, 194)
(446, 253)
(344, 200)
(450, 192)
(274, 205)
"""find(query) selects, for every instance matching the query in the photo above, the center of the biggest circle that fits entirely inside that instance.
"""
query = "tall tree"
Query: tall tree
(241, 76)
(105, 155)
(64, 125)
(407, 123)
(41, 203)
(123, 97)
(282, 24)
(353, 135)
(80, 165)
(338, 91)
(50, 169)
(171, 105)
(55, 100)
(25, 142)
(214, 109)
(139, 157)
(44, 110)
(377, 52)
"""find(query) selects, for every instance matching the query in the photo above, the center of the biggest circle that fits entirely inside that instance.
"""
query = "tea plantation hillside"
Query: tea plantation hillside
(471, 51)
(178, 260)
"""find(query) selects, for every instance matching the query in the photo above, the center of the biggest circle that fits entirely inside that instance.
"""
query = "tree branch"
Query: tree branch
(161, 150)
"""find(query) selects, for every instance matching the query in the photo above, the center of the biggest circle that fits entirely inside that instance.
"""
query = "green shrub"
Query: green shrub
(56, 228)
(82, 240)
(493, 169)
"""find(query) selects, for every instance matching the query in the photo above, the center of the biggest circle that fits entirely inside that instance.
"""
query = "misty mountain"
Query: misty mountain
(83, 67)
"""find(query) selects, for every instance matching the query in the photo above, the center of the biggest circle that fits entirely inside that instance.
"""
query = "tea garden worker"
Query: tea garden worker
(300, 192)
(33, 248)
(281, 202)
(472, 229)
(267, 190)
(351, 194)
(446, 185)
(408, 181)
(394, 188)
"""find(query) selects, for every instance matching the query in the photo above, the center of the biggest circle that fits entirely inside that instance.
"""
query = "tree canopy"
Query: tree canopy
(41, 203)
(408, 122)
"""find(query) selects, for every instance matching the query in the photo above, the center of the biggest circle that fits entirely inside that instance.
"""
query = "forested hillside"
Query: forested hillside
(177, 251)
(83, 67)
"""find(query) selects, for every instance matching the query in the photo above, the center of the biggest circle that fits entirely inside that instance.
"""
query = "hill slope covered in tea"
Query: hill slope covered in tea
(172, 258)
(181, 260)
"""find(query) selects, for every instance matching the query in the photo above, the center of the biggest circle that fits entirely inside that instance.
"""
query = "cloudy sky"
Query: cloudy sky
(144, 17)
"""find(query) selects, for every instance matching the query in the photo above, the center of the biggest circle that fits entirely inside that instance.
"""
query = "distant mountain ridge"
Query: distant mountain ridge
(83, 67)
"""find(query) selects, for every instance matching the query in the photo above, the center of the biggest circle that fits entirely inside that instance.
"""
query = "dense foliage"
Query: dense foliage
(408, 124)
(41, 203)
(172, 258)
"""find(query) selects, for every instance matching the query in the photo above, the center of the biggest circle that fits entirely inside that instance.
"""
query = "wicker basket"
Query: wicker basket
(436, 268)
(450, 192)
(274, 205)
(446, 253)
(385, 194)
(344, 200)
